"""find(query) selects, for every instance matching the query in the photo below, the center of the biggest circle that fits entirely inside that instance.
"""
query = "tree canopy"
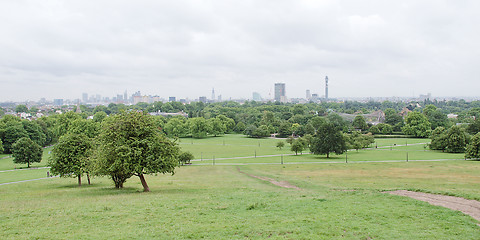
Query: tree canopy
(130, 144)
(328, 139)
(71, 156)
(24, 150)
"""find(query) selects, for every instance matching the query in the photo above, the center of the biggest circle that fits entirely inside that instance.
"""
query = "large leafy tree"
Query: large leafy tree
(199, 127)
(12, 132)
(26, 151)
(439, 139)
(176, 127)
(71, 156)
(217, 127)
(456, 140)
(360, 123)
(417, 124)
(327, 140)
(35, 132)
(473, 149)
(132, 145)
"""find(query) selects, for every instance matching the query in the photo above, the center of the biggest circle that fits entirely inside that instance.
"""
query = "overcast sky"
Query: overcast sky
(60, 49)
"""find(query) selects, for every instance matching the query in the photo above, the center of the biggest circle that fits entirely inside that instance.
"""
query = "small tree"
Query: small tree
(185, 157)
(473, 149)
(297, 146)
(328, 139)
(1, 146)
(280, 144)
(26, 151)
(70, 157)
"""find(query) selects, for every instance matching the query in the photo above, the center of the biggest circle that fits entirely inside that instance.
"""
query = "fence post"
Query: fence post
(407, 156)
(282, 159)
(213, 160)
(346, 156)
(255, 153)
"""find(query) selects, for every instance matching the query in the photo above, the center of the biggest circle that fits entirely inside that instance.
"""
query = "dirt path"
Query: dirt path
(284, 184)
(469, 207)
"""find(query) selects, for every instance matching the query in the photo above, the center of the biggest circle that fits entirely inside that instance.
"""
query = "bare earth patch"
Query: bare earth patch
(469, 207)
(284, 184)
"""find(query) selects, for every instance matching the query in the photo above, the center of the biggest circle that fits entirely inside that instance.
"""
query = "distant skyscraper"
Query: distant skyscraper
(85, 97)
(213, 94)
(202, 99)
(308, 95)
(125, 96)
(172, 99)
(58, 102)
(256, 96)
(326, 87)
(219, 98)
(280, 92)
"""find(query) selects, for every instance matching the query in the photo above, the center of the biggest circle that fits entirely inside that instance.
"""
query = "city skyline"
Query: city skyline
(59, 50)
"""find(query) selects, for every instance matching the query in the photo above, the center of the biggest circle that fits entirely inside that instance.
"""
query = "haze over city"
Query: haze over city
(61, 49)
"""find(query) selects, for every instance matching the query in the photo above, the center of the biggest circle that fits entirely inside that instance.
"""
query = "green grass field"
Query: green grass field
(336, 200)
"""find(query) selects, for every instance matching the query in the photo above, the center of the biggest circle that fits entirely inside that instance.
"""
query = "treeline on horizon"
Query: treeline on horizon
(251, 118)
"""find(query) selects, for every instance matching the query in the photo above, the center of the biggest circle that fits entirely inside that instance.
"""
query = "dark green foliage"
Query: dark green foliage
(130, 144)
(280, 144)
(285, 129)
(328, 139)
(456, 140)
(381, 128)
(217, 127)
(417, 124)
(26, 151)
(176, 127)
(11, 133)
(255, 132)
(198, 127)
(473, 149)
(34, 132)
(439, 139)
(360, 123)
(21, 108)
(474, 128)
(71, 156)
(1, 146)
(297, 146)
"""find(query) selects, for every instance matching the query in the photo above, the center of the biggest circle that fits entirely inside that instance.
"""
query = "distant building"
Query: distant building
(256, 96)
(84, 97)
(219, 98)
(308, 95)
(58, 102)
(280, 92)
(202, 99)
(326, 87)
(172, 99)
(213, 94)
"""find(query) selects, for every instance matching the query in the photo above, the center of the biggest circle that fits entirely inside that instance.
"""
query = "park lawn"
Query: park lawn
(415, 152)
(232, 145)
(382, 142)
(219, 202)
(7, 163)
(20, 175)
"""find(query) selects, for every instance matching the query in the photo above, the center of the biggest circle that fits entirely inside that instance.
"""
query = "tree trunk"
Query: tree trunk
(79, 180)
(88, 178)
(144, 183)
(328, 154)
(28, 164)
